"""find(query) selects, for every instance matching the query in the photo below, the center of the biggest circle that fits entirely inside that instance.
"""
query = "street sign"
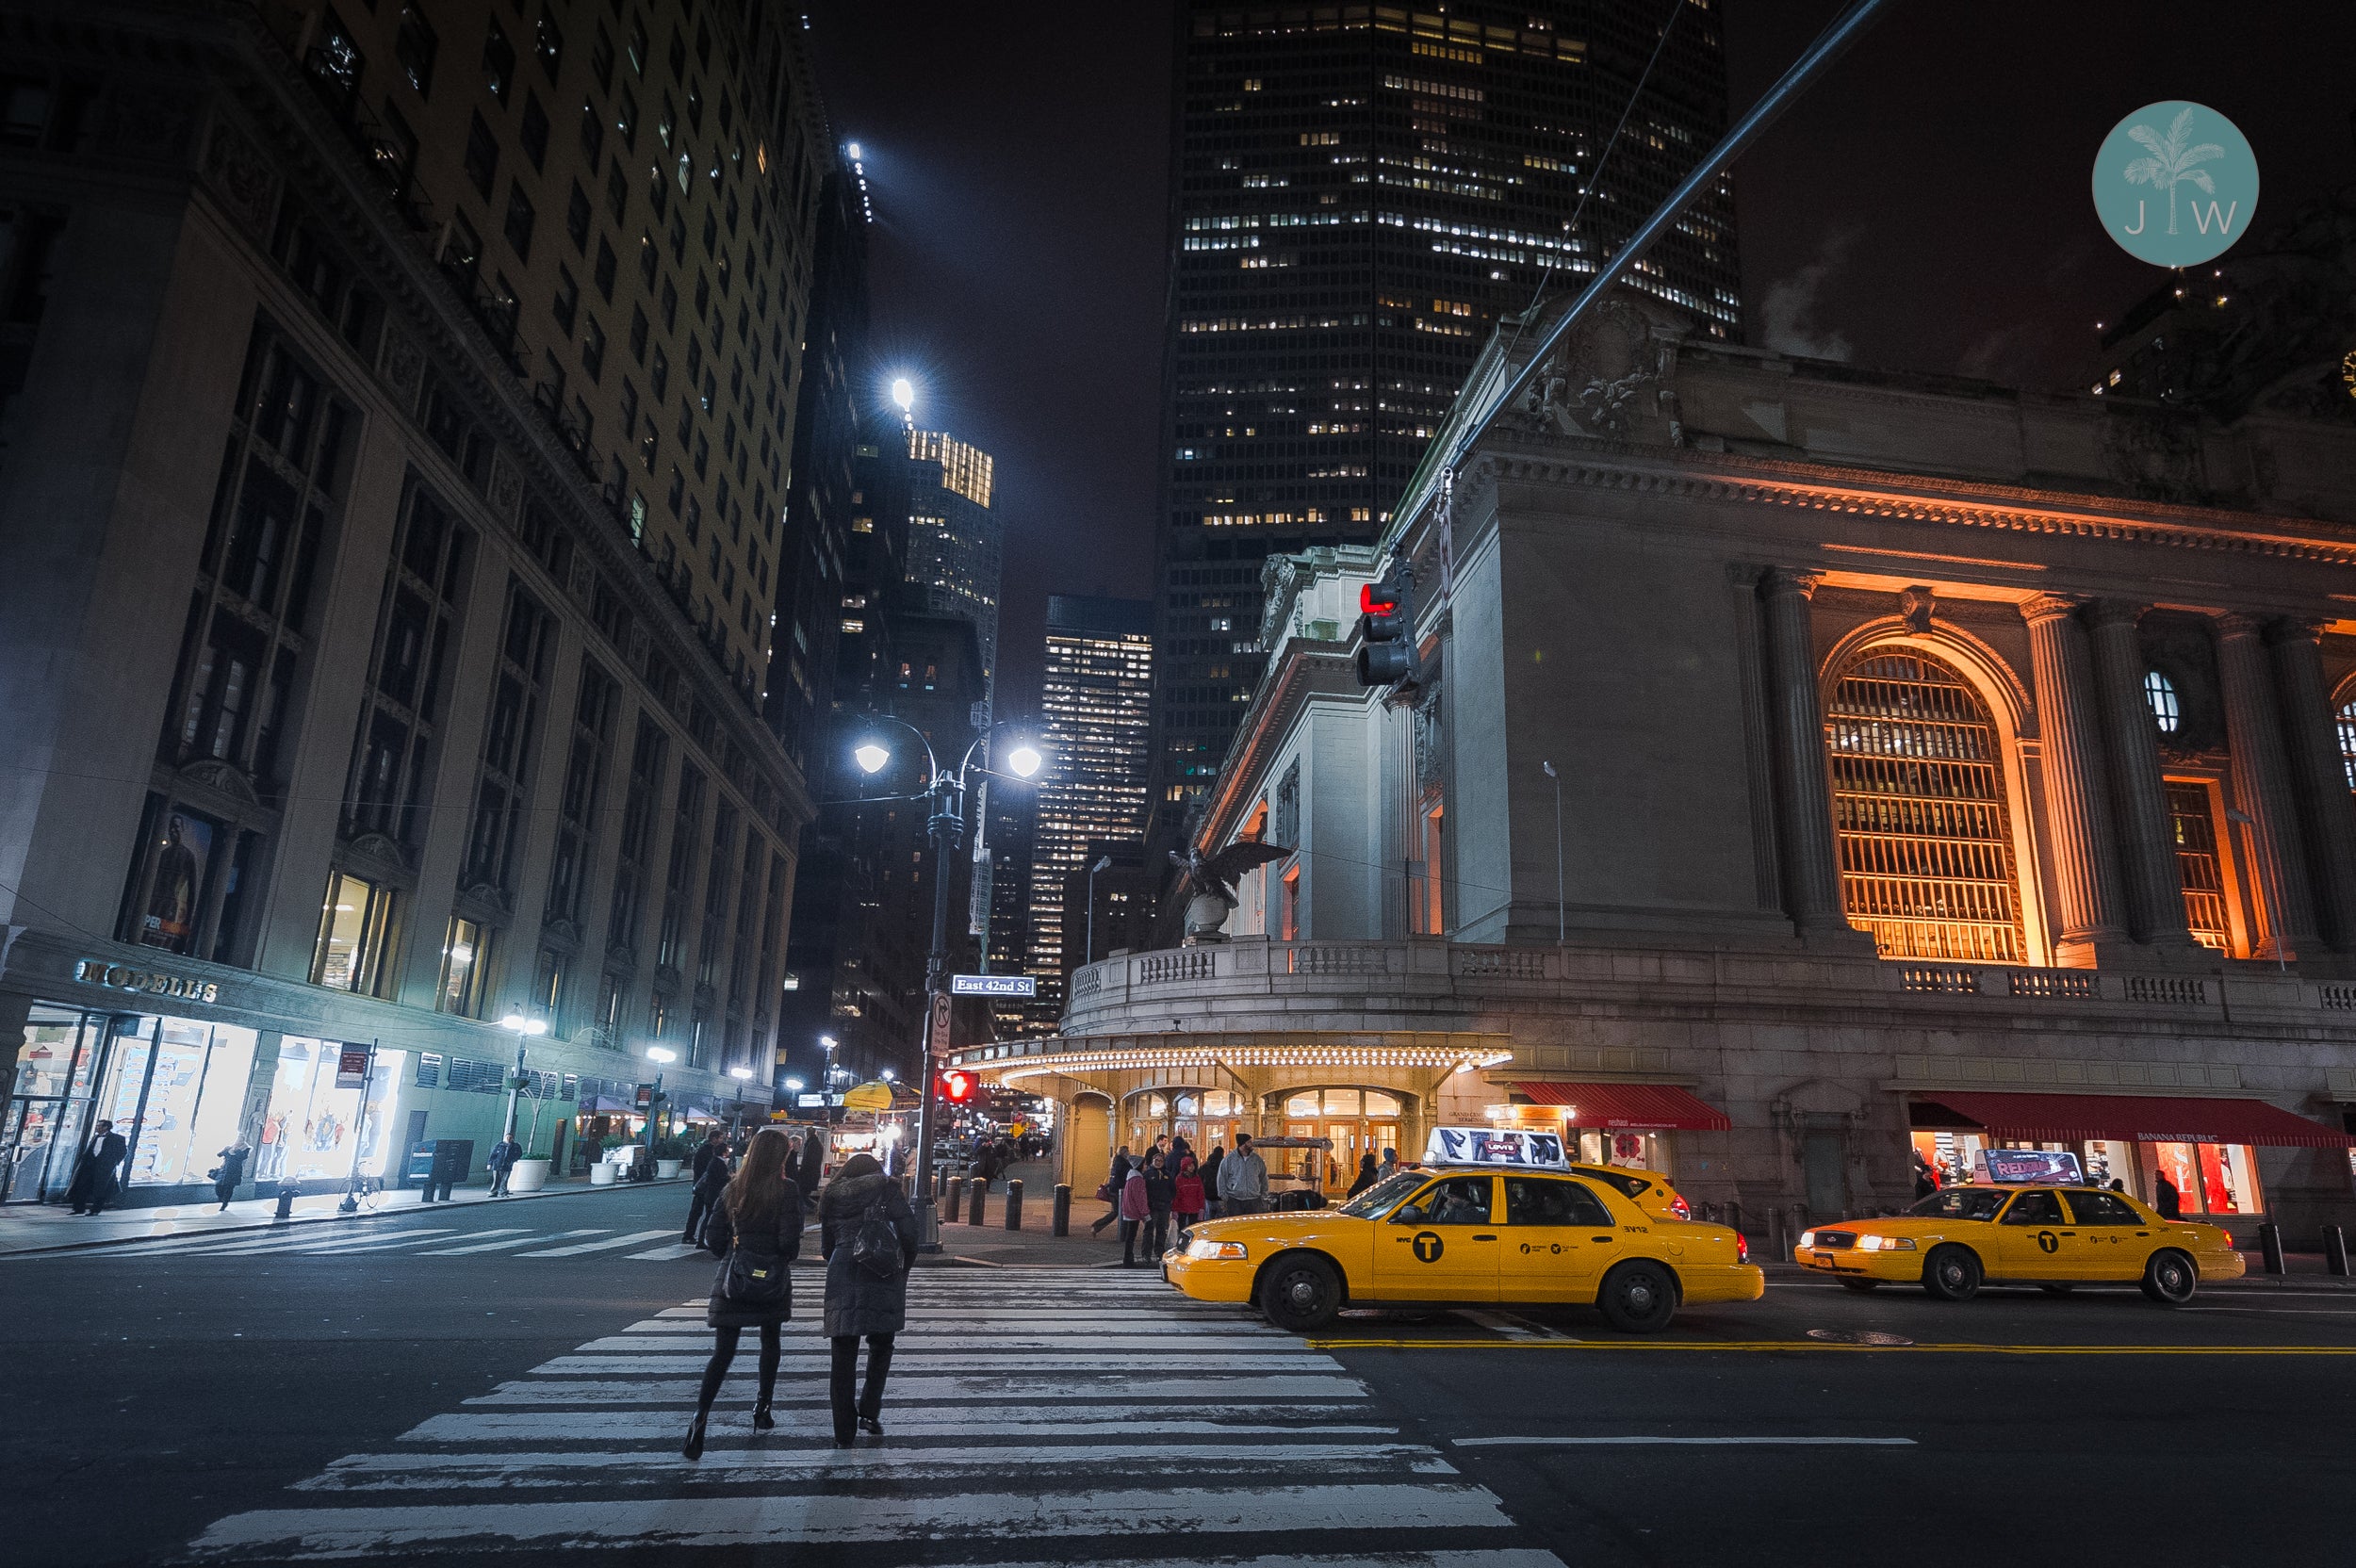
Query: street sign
(937, 1029)
(351, 1068)
(992, 985)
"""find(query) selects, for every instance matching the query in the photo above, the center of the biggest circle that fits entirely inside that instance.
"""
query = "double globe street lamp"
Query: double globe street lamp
(945, 791)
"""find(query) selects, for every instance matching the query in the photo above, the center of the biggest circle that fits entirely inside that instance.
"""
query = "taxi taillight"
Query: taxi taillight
(1742, 1247)
(1679, 1207)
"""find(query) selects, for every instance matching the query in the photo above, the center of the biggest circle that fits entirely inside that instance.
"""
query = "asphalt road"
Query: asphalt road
(447, 1396)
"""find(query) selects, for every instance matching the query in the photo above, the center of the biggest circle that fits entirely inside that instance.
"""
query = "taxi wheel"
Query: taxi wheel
(1860, 1286)
(1952, 1274)
(1301, 1293)
(2171, 1278)
(1638, 1297)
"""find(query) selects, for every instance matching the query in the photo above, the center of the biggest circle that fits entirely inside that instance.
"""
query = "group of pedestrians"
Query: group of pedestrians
(752, 1220)
(1144, 1194)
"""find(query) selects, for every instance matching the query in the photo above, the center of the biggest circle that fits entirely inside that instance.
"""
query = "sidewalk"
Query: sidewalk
(54, 1227)
(990, 1244)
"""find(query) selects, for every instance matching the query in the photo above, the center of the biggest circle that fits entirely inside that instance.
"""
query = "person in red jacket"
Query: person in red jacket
(1186, 1197)
(1137, 1209)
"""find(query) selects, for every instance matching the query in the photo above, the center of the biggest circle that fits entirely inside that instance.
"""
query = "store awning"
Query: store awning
(1634, 1108)
(2138, 1119)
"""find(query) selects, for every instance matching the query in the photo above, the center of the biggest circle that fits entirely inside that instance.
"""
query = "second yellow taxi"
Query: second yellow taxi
(1467, 1235)
(2055, 1237)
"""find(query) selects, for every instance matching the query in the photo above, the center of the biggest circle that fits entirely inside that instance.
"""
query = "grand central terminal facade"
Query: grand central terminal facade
(1805, 773)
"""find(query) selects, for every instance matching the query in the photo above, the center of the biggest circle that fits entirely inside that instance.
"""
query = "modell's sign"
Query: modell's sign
(1494, 1146)
(123, 978)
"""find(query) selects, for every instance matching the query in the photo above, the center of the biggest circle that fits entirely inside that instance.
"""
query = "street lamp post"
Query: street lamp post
(1560, 930)
(1103, 863)
(945, 793)
(659, 1055)
(523, 1029)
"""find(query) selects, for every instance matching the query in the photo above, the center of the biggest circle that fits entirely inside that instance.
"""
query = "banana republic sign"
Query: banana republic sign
(123, 978)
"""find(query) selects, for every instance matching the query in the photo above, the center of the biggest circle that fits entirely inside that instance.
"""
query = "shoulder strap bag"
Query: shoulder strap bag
(754, 1276)
(875, 1244)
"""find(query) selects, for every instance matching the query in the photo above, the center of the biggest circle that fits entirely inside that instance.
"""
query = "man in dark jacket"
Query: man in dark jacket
(713, 1146)
(813, 1166)
(1210, 1181)
(94, 1172)
(499, 1162)
(2165, 1198)
(712, 1179)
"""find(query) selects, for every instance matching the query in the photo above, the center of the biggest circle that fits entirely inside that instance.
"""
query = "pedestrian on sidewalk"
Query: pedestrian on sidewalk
(985, 1164)
(1160, 1195)
(231, 1171)
(813, 1166)
(94, 1180)
(1243, 1180)
(1210, 1182)
(1368, 1175)
(1137, 1208)
(868, 1234)
(500, 1160)
(712, 1174)
(756, 1231)
(1389, 1167)
(1925, 1179)
(2165, 1198)
(1186, 1201)
(1180, 1152)
(1111, 1191)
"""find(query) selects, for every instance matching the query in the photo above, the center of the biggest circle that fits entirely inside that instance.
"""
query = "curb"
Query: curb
(329, 1219)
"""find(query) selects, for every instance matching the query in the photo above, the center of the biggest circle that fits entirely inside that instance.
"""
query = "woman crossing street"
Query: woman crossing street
(867, 1233)
(756, 1231)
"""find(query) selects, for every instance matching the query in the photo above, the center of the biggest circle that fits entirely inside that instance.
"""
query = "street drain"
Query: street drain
(1857, 1336)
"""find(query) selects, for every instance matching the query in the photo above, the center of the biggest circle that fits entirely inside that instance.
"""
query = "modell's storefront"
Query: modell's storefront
(162, 1056)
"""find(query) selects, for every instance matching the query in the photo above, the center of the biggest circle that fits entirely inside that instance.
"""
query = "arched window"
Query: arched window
(1918, 799)
(2347, 740)
(2160, 693)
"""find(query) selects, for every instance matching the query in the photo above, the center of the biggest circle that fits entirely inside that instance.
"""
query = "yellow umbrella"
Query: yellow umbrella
(869, 1097)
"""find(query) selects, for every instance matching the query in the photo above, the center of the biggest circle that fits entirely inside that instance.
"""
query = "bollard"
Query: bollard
(1061, 1225)
(980, 1194)
(1014, 1203)
(940, 1183)
(2335, 1252)
(2271, 1244)
(1734, 1214)
(1776, 1246)
(286, 1196)
(956, 1205)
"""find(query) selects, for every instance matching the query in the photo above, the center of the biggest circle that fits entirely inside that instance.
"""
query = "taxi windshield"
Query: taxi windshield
(1962, 1204)
(1383, 1194)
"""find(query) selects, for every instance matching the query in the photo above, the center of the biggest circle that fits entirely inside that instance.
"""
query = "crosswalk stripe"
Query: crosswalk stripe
(910, 1418)
(629, 1240)
(966, 1326)
(307, 1534)
(315, 1245)
(663, 1254)
(1266, 1361)
(1275, 1388)
(639, 1344)
(418, 1472)
(514, 1241)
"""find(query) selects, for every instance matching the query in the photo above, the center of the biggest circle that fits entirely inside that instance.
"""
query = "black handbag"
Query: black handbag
(875, 1246)
(755, 1276)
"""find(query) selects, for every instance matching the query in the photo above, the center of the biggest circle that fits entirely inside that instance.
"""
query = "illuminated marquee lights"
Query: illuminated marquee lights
(858, 172)
(1158, 1057)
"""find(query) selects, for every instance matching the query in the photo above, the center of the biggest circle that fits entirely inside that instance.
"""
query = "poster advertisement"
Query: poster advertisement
(1491, 1146)
(2057, 1165)
(180, 862)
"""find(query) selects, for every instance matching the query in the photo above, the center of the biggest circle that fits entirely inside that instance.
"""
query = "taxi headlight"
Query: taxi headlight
(1204, 1248)
(1807, 1238)
(1885, 1244)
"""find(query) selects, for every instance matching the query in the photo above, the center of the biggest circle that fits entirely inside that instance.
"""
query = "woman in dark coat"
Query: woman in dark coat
(1210, 1180)
(758, 1215)
(230, 1172)
(1366, 1175)
(813, 1166)
(861, 1304)
(1161, 1191)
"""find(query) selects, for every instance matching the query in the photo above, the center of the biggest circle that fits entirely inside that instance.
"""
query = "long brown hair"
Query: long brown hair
(758, 1188)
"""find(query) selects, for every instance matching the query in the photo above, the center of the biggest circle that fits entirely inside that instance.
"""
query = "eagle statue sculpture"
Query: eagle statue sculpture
(1211, 884)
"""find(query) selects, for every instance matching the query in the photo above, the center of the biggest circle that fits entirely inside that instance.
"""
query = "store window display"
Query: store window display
(2211, 1178)
(308, 1129)
(177, 1087)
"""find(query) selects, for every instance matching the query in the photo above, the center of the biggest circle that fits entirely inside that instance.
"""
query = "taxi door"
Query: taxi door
(1557, 1239)
(2034, 1240)
(2114, 1242)
(1441, 1246)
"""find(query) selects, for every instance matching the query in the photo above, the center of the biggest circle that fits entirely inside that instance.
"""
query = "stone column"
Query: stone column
(1811, 878)
(2320, 775)
(2154, 881)
(2080, 842)
(2262, 788)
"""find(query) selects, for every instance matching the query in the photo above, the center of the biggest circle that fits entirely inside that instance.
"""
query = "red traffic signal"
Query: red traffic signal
(1377, 598)
(1387, 652)
(957, 1088)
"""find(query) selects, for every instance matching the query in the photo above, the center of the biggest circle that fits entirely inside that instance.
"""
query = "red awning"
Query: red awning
(1637, 1107)
(2139, 1119)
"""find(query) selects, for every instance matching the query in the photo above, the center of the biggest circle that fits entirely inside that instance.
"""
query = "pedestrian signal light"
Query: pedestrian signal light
(1387, 651)
(957, 1088)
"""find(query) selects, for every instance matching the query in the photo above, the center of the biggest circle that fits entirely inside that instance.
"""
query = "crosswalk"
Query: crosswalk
(1034, 1419)
(660, 1245)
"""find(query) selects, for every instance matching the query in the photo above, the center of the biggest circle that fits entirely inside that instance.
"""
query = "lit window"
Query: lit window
(2166, 712)
(2347, 740)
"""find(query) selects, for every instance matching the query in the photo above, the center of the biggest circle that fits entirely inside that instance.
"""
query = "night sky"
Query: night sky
(1924, 208)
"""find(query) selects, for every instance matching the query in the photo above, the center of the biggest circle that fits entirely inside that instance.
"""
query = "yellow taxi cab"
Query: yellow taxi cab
(1464, 1236)
(1648, 1189)
(2053, 1236)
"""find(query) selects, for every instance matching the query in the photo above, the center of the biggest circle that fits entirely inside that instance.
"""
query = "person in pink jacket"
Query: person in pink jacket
(1136, 1209)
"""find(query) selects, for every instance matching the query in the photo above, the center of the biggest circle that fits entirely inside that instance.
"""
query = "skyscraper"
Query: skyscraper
(953, 540)
(1096, 702)
(1360, 194)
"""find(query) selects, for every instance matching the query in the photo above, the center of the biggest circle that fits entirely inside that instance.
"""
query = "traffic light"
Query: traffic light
(1387, 634)
(957, 1088)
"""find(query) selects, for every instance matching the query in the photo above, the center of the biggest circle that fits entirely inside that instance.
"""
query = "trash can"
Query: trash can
(437, 1165)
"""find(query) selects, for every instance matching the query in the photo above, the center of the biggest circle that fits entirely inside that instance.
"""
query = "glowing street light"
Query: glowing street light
(903, 392)
(660, 1054)
(793, 1086)
(1025, 760)
(871, 757)
(524, 1026)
